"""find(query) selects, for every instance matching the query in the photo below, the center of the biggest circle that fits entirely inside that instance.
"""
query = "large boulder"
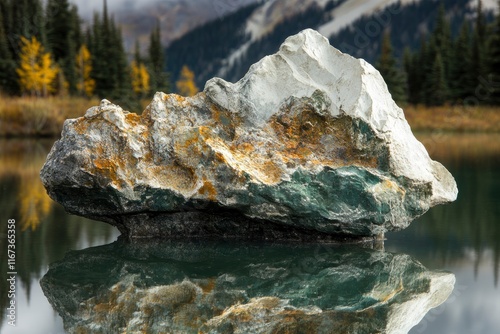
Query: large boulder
(308, 141)
(221, 287)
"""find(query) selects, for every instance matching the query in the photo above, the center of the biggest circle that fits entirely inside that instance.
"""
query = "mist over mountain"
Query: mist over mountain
(176, 17)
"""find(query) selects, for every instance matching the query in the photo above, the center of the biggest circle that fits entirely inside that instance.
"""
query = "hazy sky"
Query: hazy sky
(87, 7)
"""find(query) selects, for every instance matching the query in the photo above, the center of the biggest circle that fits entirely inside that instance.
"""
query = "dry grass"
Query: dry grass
(448, 146)
(453, 118)
(27, 116)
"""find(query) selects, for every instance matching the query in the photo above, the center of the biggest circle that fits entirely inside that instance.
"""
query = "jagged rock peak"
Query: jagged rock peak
(309, 142)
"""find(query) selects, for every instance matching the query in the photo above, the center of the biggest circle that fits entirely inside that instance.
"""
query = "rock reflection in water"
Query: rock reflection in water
(228, 287)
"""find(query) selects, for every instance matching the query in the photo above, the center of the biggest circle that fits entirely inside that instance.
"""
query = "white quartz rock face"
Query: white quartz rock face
(306, 62)
(308, 141)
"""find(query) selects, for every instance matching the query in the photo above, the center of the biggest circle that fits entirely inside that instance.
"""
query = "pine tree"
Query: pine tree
(494, 56)
(27, 19)
(110, 68)
(8, 81)
(461, 82)
(478, 68)
(4, 43)
(186, 85)
(437, 86)
(394, 78)
(441, 39)
(61, 35)
(37, 72)
(137, 52)
(159, 78)
(122, 88)
(423, 63)
(96, 44)
(411, 70)
(58, 28)
(85, 84)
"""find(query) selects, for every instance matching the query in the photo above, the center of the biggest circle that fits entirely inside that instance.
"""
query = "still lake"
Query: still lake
(462, 238)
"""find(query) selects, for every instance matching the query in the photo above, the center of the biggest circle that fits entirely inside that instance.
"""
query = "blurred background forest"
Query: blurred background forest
(440, 59)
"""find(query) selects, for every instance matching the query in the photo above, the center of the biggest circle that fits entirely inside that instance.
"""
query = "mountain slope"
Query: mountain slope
(353, 26)
(176, 17)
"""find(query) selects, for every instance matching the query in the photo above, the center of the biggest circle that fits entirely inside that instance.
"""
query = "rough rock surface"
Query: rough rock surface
(309, 139)
(220, 287)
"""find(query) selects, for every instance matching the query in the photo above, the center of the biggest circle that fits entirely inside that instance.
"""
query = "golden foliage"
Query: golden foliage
(35, 204)
(85, 84)
(21, 161)
(140, 78)
(37, 71)
(186, 85)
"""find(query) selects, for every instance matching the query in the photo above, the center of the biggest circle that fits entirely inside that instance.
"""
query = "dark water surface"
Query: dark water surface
(462, 238)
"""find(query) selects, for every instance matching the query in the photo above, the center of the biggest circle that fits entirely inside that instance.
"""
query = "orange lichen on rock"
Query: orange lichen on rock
(107, 168)
(301, 133)
(260, 168)
(133, 119)
(208, 190)
(208, 286)
(81, 125)
(175, 177)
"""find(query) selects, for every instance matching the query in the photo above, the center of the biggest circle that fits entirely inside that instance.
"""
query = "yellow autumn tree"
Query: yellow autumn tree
(186, 85)
(85, 84)
(140, 78)
(37, 71)
(34, 202)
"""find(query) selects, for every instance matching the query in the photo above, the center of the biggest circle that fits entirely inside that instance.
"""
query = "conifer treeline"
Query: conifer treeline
(90, 62)
(462, 69)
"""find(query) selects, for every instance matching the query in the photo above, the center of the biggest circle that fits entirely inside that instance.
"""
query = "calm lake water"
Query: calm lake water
(462, 238)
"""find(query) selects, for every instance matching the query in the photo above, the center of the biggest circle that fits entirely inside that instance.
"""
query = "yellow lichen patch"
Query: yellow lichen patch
(263, 169)
(189, 146)
(243, 147)
(179, 98)
(98, 150)
(385, 291)
(107, 168)
(81, 330)
(302, 135)
(267, 302)
(390, 185)
(132, 119)
(247, 312)
(208, 190)
(387, 186)
(225, 121)
(176, 177)
(145, 137)
(208, 286)
(392, 293)
(81, 126)
(102, 308)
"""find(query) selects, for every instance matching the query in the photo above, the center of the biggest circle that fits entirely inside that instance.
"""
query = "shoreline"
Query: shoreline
(28, 117)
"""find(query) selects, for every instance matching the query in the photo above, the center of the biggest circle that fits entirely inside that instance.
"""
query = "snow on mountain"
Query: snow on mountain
(273, 12)
(351, 10)
(339, 15)
(488, 4)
